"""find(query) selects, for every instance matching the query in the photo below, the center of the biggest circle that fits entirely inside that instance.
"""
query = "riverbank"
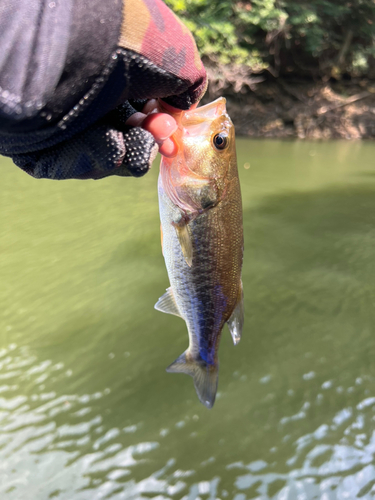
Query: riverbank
(291, 108)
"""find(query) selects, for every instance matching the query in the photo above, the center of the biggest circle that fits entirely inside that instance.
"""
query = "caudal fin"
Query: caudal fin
(205, 376)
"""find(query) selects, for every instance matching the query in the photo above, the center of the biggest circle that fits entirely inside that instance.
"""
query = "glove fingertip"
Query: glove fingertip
(141, 150)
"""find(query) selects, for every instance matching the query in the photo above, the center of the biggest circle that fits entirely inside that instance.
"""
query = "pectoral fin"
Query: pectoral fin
(235, 322)
(185, 242)
(167, 304)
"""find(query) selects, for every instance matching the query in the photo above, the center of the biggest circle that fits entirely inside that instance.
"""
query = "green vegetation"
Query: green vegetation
(317, 38)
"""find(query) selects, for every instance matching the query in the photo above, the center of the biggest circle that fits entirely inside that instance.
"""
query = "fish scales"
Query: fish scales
(205, 279)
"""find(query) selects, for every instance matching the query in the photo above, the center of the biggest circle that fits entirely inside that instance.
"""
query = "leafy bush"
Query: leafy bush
(320, 37)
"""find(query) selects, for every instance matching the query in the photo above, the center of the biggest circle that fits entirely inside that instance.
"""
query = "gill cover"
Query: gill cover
(190, 178)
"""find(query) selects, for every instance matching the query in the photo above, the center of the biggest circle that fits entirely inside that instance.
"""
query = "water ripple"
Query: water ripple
(86, 409)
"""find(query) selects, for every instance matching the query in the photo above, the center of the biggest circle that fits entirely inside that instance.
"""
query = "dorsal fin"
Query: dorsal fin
(185, 242)
(235, 322)
(167, 304)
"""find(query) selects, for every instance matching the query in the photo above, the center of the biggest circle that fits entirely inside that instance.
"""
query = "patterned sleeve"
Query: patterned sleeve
(150, 29)
(69, 72)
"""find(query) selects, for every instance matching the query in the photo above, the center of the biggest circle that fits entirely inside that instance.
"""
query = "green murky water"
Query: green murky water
(87, 410)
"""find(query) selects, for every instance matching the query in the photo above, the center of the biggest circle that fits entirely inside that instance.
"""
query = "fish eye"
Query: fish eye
(220, 141)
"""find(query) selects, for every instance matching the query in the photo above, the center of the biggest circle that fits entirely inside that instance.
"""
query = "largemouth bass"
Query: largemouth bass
(202, 240)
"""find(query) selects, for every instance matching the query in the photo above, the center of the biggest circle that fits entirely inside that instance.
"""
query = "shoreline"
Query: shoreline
(291, 108)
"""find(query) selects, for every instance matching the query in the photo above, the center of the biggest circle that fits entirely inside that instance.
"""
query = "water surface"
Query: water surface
(87, 410)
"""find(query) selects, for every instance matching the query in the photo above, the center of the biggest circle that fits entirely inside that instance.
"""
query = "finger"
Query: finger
(136, 119)
(150, 107)
(160, 125)
(169, 148)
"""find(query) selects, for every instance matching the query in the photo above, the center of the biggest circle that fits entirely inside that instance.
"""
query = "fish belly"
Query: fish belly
(207, 291)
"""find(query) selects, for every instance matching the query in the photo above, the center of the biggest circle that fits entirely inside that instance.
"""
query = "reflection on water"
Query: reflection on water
(86, 408)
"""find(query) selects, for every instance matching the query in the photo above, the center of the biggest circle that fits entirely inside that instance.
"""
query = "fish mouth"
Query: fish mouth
(202, 121)
(197, 121)
(206, 113)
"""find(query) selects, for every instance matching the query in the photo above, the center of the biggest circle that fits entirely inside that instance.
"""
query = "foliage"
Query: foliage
(319, 37)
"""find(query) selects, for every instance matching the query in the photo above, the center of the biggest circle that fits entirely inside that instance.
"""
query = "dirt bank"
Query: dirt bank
(302, 109)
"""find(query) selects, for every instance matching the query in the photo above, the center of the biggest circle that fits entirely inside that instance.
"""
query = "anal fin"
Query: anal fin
(235, 322)
(167, 304)
(185, 242)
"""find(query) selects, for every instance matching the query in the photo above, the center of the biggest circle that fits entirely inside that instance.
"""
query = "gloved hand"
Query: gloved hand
(78, 79)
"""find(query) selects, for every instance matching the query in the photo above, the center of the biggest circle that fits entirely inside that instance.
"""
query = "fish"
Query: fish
(202, 240)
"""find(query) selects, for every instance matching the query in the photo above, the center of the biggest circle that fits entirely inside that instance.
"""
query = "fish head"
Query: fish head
(207, 142)
(196, 178)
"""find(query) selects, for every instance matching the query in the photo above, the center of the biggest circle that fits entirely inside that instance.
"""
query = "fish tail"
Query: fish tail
(205, 376)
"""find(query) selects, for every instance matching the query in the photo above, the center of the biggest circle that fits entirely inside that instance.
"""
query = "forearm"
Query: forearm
(51, 55)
